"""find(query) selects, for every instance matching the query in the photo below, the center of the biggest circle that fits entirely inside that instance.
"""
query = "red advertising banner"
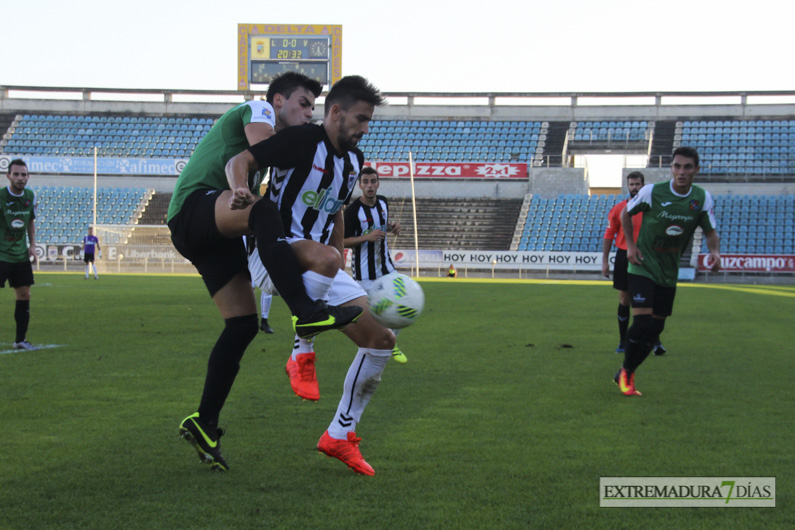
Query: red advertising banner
(750, 263)
(452, 169)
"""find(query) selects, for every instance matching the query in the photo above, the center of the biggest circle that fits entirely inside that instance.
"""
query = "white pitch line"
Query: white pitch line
(38, 347)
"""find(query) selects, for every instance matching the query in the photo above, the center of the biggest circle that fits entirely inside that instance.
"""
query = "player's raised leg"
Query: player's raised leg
(310, 316)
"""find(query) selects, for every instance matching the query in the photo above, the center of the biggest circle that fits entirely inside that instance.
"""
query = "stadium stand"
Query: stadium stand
(756, 224)
(114, 136)
(761, 147)
(751, 224)
(568, 223)
(464, 224)
(64, 213)
(454, 141)
(610, 133)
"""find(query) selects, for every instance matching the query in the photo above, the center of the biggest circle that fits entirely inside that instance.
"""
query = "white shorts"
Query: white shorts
(365, 284)
(343, 288)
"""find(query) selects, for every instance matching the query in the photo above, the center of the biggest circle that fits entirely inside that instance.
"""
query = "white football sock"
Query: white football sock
(317, 286)
(265, 301)
(303, 346)
(360, 384)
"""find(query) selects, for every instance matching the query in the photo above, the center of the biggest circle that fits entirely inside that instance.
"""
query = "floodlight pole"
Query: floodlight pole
(94, 224)
(414, 213)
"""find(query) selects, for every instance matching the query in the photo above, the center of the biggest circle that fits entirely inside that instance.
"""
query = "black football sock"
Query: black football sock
(22, 318)
(661, 326)
(637, 347)
(224, 364)
(623, 322)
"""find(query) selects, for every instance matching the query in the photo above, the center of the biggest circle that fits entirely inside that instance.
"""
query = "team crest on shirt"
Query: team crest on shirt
(352, 180)
(695, 205)
(674, 231)
(266, 112)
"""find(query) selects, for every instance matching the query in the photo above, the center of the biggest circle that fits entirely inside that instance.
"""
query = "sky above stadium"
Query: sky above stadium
(413, 45)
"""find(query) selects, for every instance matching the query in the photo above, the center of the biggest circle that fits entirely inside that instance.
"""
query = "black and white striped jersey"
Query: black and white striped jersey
(370, 260)
(310, 181)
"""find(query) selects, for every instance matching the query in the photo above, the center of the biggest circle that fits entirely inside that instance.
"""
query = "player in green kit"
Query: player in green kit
(17, 228)
(672, 210)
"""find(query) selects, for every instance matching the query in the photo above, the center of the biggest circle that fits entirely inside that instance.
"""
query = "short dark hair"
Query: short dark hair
(687, 152)
(637, 175)
(288, 82)
(350, 90)
(369, 170)
(16, 162)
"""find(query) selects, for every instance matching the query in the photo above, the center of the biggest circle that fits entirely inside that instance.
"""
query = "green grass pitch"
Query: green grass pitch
(504, 417)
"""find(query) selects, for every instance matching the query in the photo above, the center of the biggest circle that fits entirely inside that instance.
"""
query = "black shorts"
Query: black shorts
(195, 235)
(620, 279)
(646, 293)
(88, 257)
(18, 274)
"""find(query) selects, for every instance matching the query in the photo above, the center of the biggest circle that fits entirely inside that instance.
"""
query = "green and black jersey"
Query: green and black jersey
(227, 138)
(669, 220)
(18, 213)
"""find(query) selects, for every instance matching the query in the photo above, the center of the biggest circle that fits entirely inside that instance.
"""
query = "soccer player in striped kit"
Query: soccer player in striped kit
(366, 226)
(313, 172)
(208, 215)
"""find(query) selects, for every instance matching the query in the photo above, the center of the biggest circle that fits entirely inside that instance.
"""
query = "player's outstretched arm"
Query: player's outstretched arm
(633, 253)
(32, 240)
(607, 245)
(337, 239)
(237, 171)
(713, 244)
(355, 241)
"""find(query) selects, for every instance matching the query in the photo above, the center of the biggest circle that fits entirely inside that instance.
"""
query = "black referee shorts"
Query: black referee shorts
(646, 293)
(17, 274)
(620, 279)
(195, 235)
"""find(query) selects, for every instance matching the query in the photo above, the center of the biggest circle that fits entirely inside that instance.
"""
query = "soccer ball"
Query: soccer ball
(395, 300)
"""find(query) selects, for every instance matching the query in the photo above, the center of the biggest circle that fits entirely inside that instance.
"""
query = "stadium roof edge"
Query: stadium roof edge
(165, 91)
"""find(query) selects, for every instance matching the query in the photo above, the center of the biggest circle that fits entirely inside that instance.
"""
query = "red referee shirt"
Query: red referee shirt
(614, 229)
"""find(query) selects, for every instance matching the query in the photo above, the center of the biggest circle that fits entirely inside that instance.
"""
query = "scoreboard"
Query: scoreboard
(267, 50)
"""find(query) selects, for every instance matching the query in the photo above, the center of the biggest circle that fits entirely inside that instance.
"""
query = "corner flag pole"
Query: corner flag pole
(414, 213)
(94, 224)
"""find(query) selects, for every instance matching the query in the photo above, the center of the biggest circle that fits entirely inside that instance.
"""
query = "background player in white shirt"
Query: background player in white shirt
(367, 222)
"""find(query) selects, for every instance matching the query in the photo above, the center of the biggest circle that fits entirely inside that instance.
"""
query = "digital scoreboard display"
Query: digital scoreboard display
(267, 50)
(262, 72)
(299, 49)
